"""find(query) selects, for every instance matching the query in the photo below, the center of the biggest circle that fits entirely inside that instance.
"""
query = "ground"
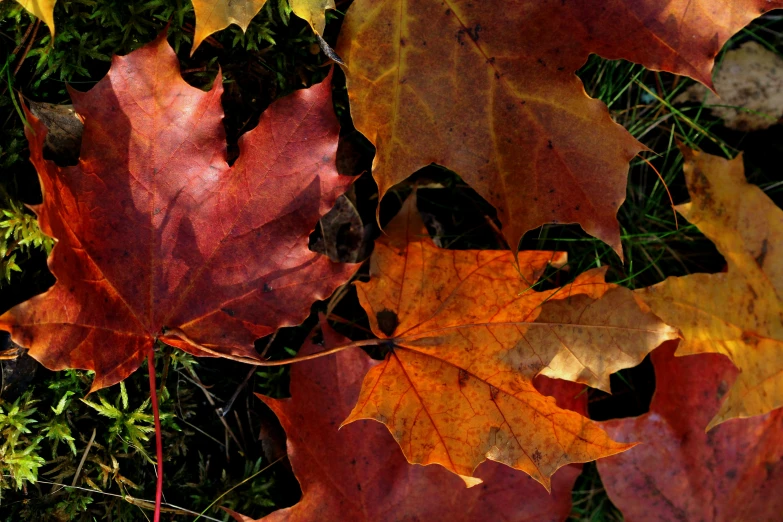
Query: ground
(211, 423)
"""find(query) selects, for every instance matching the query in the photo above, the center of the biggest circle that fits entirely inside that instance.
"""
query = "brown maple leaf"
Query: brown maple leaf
(468, 335)
(679, 472)
(488, 90)
(738, 313)
(155, 231)
(357, 473)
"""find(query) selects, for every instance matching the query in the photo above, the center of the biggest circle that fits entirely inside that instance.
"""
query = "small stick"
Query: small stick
(24, 38)
(247, 360)
(27, 49)
(224, 410)
(81, 462)
(214, 406)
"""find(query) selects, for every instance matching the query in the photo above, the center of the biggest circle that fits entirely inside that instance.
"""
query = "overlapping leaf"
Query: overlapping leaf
(738, 313)
(679, 472)
(313, 12)
(457, 387)
(359, 474)
(488, 90)
(43, 9)
(214, 15)
(157, 234)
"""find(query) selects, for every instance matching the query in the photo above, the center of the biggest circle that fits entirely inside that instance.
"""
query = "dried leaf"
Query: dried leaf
(42, 9)
(157, 234)
(679, 472)
(215, 15)
(64, 130)
(313, 12)
(750, 83)
(457, 387)
(488, 90)
(738, 313)
(358, 473)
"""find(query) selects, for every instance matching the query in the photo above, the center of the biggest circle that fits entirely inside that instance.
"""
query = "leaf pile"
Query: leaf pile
(159, 239)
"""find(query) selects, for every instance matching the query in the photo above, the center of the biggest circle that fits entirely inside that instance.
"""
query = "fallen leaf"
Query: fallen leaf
(313, 12)
(679, 472)
(488, 90)
(457, 387)
(156, 233)
(750, 83)
(64, 129)
(215, 15)
(738, 313)
(42, 9)
(359, 474)
(344, 238)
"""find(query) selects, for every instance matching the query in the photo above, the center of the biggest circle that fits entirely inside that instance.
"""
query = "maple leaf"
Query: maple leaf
(359, 474)
(42, 9)
(491, 88)
(156, 233)
(313, 12)
(457, 387)
(738, 313)
(679, 472)
(215, 15)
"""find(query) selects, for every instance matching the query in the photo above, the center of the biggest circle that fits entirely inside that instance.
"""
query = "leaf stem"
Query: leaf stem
(179, 334)
(158, 433)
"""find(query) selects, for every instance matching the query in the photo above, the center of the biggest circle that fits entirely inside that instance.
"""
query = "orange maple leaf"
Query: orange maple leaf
(457, 387)
(488, 90)
(358, 474)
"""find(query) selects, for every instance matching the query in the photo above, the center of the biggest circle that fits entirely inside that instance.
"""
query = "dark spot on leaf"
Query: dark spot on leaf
(267, 288)
(763, 254)
(463, 378)
(387, 322)
(228, 311)
(536, 456)
(493, 392)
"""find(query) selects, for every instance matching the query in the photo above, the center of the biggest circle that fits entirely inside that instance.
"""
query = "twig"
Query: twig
(24, 38)
(158, 432)
(81, 462)
(29, 45)
(214, 406)
(247, 360)
(224, 410)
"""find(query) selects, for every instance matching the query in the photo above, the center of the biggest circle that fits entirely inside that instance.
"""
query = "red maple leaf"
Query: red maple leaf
(158, 238)
(680, 471)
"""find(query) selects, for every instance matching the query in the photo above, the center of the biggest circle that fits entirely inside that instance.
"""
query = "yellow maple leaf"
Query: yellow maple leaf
(313, 12)
(738, 313)
(214, 15)
(42, 9)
